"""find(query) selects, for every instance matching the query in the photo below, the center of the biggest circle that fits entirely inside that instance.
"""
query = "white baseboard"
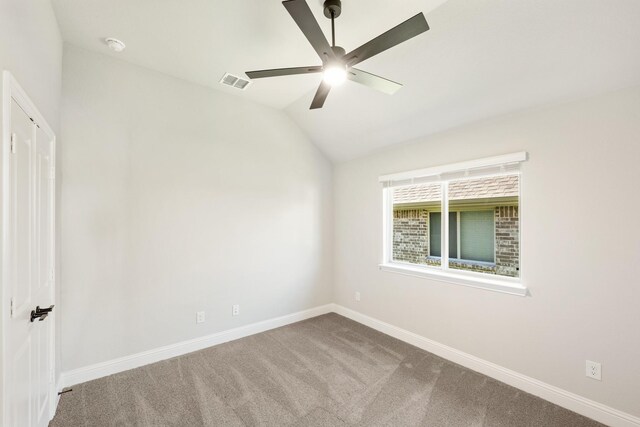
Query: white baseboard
(589, 408)
(121, 364)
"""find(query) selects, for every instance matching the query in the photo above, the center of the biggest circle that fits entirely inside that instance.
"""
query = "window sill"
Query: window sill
(497, 285)
(466, 261)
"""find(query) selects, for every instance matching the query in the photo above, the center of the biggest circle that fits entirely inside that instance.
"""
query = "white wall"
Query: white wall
(580, 246)
(177, 198)
(31, 49)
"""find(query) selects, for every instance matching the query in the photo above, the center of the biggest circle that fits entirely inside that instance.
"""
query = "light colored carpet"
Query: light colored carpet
(325, 371)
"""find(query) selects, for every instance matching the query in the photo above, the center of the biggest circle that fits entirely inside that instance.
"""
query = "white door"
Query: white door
(29, 352)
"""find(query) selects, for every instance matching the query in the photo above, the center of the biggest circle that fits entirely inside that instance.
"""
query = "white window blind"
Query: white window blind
(496, 165)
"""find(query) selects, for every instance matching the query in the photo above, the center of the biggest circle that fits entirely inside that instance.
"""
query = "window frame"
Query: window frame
(443, 272)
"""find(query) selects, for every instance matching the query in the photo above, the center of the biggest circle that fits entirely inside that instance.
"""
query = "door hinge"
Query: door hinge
(11, 308)
(13, 143)
(52, 275)
(52, 173)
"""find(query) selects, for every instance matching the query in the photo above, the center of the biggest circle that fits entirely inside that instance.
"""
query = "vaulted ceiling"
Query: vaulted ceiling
(481, 58)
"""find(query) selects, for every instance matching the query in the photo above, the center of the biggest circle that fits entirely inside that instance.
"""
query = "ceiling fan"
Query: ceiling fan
(337, 65)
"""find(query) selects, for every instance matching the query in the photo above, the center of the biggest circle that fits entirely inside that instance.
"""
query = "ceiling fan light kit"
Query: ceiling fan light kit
(335, 75)
(337, 65)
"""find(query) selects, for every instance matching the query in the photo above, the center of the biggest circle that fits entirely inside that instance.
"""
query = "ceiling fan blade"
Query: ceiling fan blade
(373, 81)
(403, 32)
(300, 12)
(321, 96)
(283, 72)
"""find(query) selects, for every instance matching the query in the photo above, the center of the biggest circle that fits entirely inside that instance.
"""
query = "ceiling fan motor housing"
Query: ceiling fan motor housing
(334, 6)
(338, 51)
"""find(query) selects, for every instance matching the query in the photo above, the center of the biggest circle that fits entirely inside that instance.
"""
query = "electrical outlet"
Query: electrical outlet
(235, 310)
(357, 296)
(200, 317)
(594, 370)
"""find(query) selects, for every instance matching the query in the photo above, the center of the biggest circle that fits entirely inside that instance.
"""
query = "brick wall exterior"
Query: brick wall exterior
(411, 242)
(410, 235)
(507, 241)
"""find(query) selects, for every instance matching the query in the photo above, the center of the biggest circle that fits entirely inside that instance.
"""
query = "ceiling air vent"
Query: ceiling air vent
(234, 81)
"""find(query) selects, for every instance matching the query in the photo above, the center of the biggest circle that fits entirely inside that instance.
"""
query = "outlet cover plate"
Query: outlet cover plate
(200, 317)
(235, 310)
(594, 370)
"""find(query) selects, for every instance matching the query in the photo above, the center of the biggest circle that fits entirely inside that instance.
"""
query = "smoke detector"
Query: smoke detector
(234, 81)
(115, 44)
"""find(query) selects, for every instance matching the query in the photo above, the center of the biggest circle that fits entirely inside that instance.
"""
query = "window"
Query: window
(457, 222)
(471, 235)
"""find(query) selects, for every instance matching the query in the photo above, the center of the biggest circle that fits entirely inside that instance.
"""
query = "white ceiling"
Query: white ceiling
(481, 58)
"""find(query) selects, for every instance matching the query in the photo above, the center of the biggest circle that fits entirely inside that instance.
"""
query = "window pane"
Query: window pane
(435, 234)
(489, 224)
(476, 236)
(412, 207)
(453, 234)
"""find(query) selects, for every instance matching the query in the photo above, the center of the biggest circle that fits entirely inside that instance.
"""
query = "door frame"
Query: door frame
(11, 89)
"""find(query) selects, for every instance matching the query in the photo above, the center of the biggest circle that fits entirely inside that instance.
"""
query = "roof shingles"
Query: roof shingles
(481, 188)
